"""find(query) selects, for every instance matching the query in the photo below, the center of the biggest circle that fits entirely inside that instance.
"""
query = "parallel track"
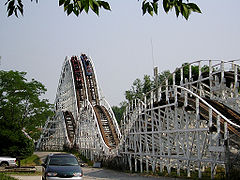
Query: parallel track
(185, 123)
(86, 89)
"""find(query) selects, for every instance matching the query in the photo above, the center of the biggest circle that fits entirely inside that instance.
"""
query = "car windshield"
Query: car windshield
(63, 161)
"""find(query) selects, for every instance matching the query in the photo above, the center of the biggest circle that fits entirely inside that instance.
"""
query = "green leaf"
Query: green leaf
(194, 7)
(20, 9)
(91, 4)
(69, 9)
(10, 5)
(66, 3)
(15, 11)
(185, 11)
(178, 7)
(10, 12)
(96, 7)
(166, 6)
(86, 5)
(61, 2)
(150, 10)
(96, 3)
(177, 10)
(144, 7)
(105, 5)
(20, 3)
(96, 10)
(82, 7)
(79, 4)
(155, 7)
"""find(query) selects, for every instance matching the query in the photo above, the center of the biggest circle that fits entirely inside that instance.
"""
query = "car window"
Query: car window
(63, 161)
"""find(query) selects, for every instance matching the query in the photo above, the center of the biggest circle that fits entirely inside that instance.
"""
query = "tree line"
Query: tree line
(140, 87)
(22, 113)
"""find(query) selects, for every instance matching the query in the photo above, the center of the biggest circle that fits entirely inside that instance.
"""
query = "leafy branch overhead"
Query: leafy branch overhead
(78, 6)
(185, 9)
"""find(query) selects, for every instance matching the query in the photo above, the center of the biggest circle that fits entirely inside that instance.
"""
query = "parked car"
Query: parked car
(7, 161)
(61, 166)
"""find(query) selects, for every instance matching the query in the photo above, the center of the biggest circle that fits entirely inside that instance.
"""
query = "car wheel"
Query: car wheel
(4, 164)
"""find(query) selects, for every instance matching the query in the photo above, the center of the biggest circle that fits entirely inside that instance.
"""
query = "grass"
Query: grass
(33, 160)
(24, 173)
(6, 177)
(206, 175)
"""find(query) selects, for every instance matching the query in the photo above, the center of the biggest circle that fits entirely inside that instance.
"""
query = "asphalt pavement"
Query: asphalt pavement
(90, 173)
(103, 174)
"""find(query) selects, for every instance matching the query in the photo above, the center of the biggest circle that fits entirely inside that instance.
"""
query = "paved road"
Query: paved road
(27, 177)
(103, 174)
(98, 173)
(106, 174)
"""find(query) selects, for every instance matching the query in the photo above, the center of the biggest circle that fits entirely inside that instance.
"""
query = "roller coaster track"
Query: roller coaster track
(83, 120)
(189, 122)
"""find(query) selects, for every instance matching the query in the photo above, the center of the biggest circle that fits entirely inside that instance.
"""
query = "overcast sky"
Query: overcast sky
(119, 42)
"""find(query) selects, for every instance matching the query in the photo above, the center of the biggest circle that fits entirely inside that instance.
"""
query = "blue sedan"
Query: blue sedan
(61, 166)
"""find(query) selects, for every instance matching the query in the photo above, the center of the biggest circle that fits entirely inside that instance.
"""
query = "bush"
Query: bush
(5, 177)
(33, 160)
(14, 143)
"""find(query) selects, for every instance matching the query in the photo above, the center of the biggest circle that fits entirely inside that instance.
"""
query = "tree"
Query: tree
(78, 6)
(142, 87)
(119, 110)
(139, 88)
(14, 143)
(163, 75)
(195, 72)
(20, 108)
(148, 84)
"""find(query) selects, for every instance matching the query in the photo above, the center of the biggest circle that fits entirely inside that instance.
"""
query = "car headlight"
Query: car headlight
(51, 174)
(78, 174)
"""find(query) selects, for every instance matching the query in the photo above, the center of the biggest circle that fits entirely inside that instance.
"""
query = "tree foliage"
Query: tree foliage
(78, 6)
(195, 72)
(139, 88)
(20, 108)
(162, 76)
(14, 143)
(119, 110)
(184, 8)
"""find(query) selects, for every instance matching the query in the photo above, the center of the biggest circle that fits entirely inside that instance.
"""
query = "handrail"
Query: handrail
(96, 110)
(188, 64)
(64, 127)
(96, 121)
(202, 100)
(110, 122)
(205, 102)
(165, 84)
(105, 104)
